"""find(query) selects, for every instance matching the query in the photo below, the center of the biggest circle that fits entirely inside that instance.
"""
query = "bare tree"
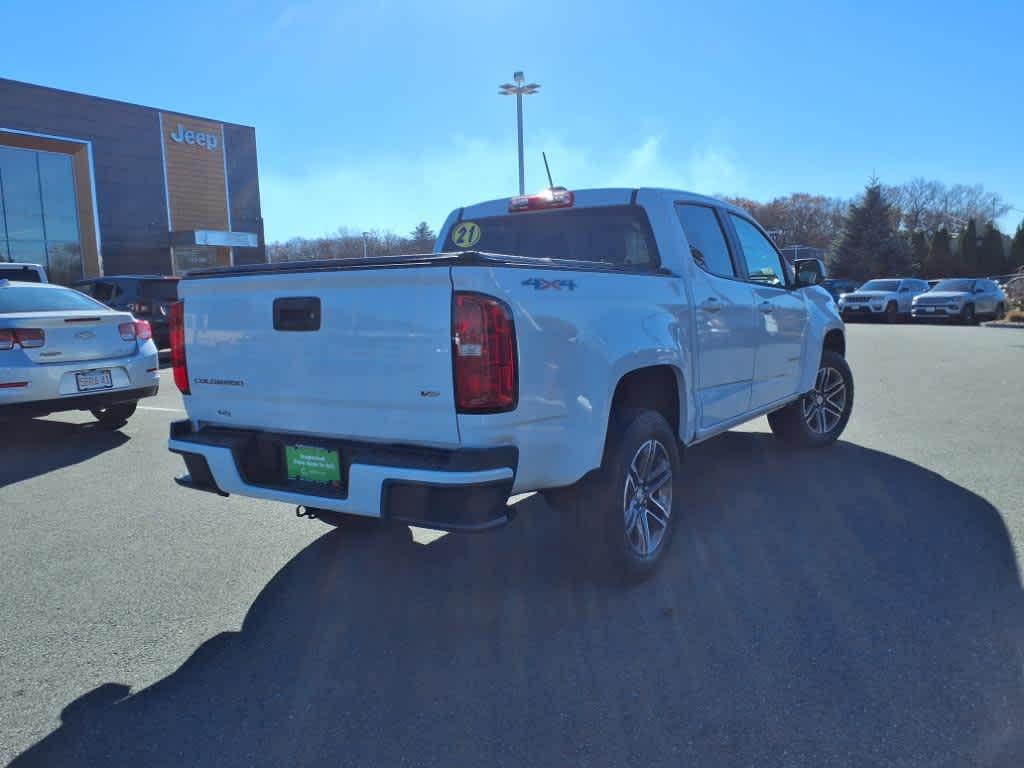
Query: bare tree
(928, 205)
(342, 244)
(799, 218)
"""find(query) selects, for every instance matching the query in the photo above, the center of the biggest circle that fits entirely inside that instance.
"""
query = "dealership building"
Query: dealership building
(90, 187)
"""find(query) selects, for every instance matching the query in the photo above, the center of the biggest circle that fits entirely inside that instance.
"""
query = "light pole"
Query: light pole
(366, 244)
(519, 90)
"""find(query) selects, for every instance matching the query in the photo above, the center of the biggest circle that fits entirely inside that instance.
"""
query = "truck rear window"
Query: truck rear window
(161, 290)
(617, 235)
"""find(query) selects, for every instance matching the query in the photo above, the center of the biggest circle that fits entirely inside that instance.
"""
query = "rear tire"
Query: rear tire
(1000, 311)
(633, 504)
(114, 416)
(819, 417)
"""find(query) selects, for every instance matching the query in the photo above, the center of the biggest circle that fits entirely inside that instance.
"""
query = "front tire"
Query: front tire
(967, 316)
(114, 416)
(892, 313)
(819, 417)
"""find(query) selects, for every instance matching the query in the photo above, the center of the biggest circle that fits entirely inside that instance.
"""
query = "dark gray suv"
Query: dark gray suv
(148, 297)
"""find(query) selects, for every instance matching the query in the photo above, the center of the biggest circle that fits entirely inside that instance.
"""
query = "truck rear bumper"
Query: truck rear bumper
(462, 489)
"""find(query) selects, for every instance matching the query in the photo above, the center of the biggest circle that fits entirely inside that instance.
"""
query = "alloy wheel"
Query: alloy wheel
(824, 405)
(647, 498)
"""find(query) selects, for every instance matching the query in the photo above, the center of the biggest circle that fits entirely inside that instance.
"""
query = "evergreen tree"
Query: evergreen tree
(1017, 249)
(868, 245)
(940, 255)
(991, 256)
(919, 252)
(423, 238)
(967, 264)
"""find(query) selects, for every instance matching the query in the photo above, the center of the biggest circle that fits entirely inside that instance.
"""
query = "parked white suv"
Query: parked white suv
(887, 299)
(570, 343)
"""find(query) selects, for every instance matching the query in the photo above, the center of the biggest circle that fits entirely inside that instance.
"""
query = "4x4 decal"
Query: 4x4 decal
(539, 284)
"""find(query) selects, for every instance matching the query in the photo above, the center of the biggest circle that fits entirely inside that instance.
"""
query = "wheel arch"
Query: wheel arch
(835, 341)
(660, 388)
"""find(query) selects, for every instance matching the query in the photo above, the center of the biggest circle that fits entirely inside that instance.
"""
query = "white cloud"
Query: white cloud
(395, 191)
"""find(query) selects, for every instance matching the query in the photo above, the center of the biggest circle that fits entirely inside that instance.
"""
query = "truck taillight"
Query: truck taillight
(176, 325)
(484, 354)
(26, 338)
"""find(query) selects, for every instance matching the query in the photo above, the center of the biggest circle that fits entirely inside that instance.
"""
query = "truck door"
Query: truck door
(724, 316)
(781, 316)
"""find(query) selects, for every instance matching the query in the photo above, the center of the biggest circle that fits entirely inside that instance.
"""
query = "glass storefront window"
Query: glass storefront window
(27, 251)
(39, 212)
(64, 262)
(23, 208)
(60, 208)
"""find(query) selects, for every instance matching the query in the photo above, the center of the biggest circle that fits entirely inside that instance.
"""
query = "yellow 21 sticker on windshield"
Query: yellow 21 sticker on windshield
(466, 234)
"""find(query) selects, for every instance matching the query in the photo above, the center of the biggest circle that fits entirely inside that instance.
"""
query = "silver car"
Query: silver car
(887, 298)
(61, 350)
(961, 298)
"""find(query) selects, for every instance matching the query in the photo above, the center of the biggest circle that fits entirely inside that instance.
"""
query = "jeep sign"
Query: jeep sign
(208, 140)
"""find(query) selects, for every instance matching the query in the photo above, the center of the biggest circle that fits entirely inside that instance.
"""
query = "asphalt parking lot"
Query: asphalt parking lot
(855, 606)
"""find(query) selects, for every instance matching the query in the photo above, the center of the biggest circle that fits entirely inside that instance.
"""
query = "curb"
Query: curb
(1003, 324)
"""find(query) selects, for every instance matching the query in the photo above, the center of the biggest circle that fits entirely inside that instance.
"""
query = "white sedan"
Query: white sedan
(61, 350)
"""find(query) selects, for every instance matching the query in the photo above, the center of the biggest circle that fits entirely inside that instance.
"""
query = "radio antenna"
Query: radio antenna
(551, 184)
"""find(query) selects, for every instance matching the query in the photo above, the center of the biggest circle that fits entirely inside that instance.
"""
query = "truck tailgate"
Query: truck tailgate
(377, 368)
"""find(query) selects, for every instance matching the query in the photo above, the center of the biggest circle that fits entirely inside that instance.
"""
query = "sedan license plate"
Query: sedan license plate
(90, 380)
(313, 464)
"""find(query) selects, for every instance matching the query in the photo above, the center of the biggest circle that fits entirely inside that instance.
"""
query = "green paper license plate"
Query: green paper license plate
(312, 464)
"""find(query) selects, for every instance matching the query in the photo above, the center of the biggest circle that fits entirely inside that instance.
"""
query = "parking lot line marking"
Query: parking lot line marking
(158, 408)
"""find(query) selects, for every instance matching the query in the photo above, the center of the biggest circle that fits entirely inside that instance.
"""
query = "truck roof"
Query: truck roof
(590, 198)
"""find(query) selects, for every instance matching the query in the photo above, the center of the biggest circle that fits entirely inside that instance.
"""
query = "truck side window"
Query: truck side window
(707, 241)
(764, 265)
(102, 291)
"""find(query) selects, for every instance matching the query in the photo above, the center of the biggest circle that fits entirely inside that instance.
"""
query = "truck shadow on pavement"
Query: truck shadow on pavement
(34, 447)
(841, 607)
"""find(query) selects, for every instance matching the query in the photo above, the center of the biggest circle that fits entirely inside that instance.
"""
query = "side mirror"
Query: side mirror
(979, 290)
(904, 289)
(809, 272)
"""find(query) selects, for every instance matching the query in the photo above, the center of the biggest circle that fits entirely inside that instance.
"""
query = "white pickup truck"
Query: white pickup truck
(569, 343)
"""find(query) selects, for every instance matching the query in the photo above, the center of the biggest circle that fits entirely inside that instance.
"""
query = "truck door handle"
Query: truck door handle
(710, 304)
(766, 307)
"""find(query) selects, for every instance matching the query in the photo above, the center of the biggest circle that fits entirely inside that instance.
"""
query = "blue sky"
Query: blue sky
(380, 114)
